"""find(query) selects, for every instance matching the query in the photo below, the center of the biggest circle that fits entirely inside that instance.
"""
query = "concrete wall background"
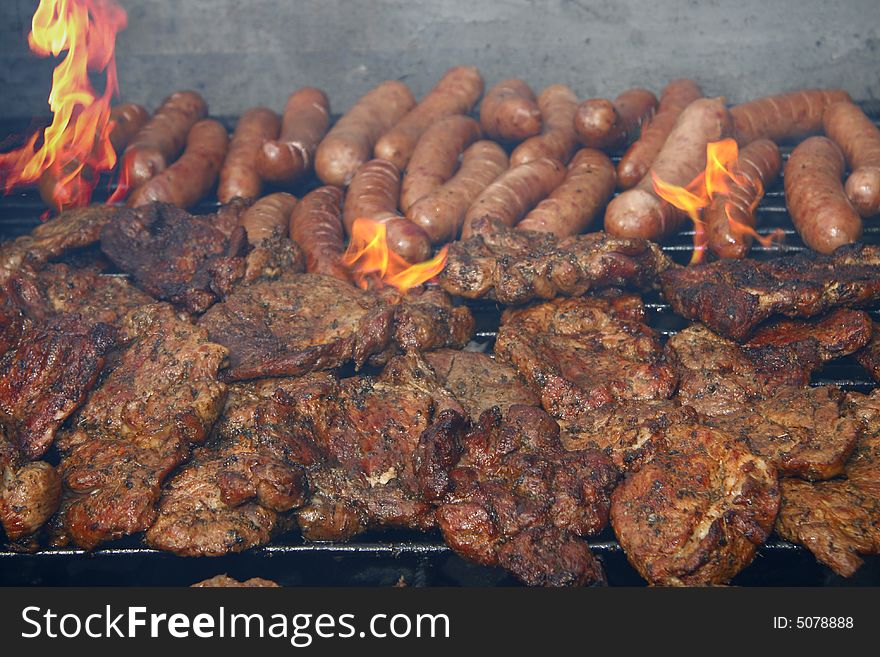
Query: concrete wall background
(239, 53)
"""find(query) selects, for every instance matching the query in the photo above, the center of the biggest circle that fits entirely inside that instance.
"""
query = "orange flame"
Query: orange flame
(373, 264)
(78, 136)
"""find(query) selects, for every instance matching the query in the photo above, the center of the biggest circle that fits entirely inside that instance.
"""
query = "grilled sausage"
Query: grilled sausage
(784, 117)
(316, 225)
(435, 157)
(608, 126)
(455, 93)
(191, 177)
(557, 140)
(515, 192)
(239, 175)
(305, 122)
(570, 208)
(859, 139)
(510, 111)
(373, 194)
(441, 213)
(814, 194)
(634, 164)
(268, 217)
(162, 138)
(128, 119)
(351, 139)
(639, 212)
(756, 168)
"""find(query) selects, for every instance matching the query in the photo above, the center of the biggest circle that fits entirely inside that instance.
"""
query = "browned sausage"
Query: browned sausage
(306, 117)
(510, 111)
(639, 212)
(441, 213)
(455, 93)
(609, 126)
(638, 158)
(557, 140)
(819, 208)
(373, 194)
(514, 193)
(268, 217)
(351, 139)
(756, 168)
(784, 117)
(239, 176)
(570, 208)
(859, 139)
(163, 137)
(435, 157)
(191, 177)
(127, 119)
(316, 225)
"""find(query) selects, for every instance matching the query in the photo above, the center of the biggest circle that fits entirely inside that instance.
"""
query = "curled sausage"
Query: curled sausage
(570, 208)
(191, 177)
(557, 140)
(783, 117)
(639, 212)
(435, 157)
(373, 194)
(268, 217)
(510, 111)
(814, 194)
(756, 168)
(636, 161)
(162, 138)
(514, 193)
(859, 139)
(441, 213)
(455, 93)
(351, 139)
(305, 120)
(316, 225)
(608, 126)
(239, 176)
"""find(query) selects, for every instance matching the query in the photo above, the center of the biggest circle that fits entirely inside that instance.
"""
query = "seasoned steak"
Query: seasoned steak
(584, 353)
(696, 512)
(869, 357)
(426, 319)
(160, 396)
(516, 266)
(521, 501)
(841, 332)
(30, 491)
(839, 520)
(732, 297)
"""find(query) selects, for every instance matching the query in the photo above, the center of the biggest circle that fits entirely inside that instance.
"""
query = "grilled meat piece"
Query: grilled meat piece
(70, 230)
(521, 501)
(160, 396)
(516, 266)
(225, 581)
(841, 332)
(733, 296)
(29, 491)
(237, 492)
(696, 512)
(426, 319)
(869, 357)
(839, 520)
(584, 353)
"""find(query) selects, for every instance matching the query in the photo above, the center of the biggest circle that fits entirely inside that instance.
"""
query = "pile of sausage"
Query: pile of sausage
(428, 170)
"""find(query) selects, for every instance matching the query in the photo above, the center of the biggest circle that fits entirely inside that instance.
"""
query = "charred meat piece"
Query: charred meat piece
(425, 319)
(521, 501)
(839, 520)
(161, 396)
(584, 353)
(225, 581)
(70, 230)
(696, 512)
(732, 297)
(238, 491)
(30, 491)
(516, 266)
(869, 357)
(839, 333)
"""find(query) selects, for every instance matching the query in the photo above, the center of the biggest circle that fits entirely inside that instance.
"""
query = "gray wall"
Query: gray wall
(240, 53)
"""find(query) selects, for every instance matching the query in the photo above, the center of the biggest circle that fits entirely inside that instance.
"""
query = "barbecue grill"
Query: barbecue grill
(397, 557)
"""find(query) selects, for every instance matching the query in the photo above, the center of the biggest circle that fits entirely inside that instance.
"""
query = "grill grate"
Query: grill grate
(393, 556)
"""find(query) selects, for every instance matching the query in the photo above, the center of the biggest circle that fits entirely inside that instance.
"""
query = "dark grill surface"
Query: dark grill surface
(394, 557)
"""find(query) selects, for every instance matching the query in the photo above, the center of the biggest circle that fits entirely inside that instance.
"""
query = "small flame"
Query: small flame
(78, 137)
(373, 264)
